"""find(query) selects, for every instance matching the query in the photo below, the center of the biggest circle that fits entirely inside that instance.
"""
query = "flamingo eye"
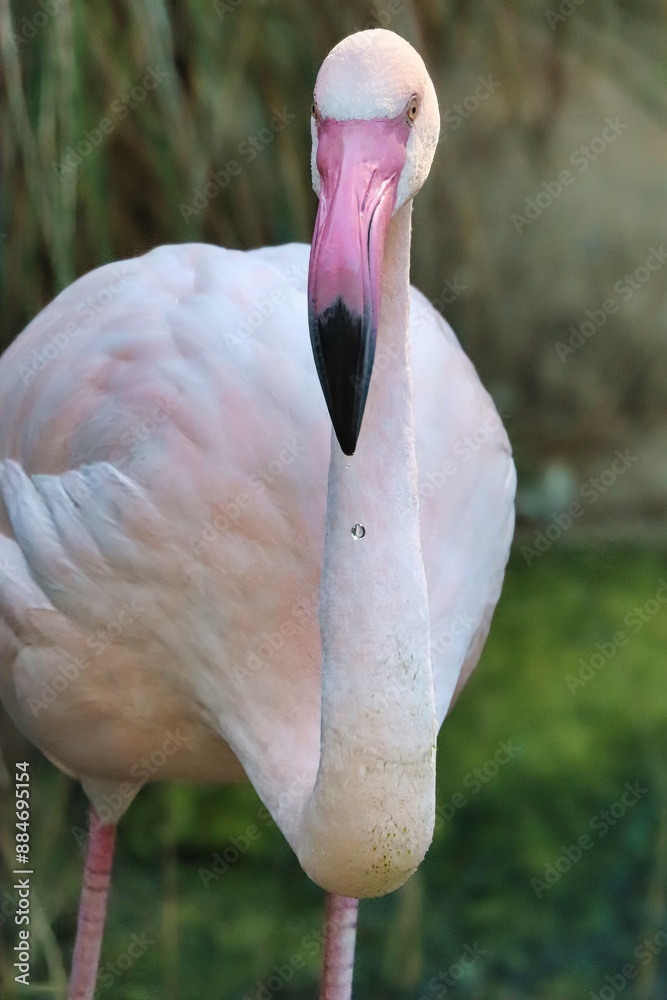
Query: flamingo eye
(412, 109)
(313, 110)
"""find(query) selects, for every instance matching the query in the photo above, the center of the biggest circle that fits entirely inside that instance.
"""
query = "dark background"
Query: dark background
(547, 283)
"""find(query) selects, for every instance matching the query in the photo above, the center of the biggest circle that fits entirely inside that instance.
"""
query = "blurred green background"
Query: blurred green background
(556, 285)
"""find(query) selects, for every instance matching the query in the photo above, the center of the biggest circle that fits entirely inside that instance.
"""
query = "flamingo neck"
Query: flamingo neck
(369, 820)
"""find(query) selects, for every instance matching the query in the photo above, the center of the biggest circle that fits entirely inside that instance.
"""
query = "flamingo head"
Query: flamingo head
(375, 126)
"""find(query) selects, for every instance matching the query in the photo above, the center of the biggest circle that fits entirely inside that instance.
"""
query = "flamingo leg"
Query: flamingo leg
(339, 940)
(93, 908)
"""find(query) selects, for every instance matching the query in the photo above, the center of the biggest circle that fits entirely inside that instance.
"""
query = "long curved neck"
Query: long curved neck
(369, 820)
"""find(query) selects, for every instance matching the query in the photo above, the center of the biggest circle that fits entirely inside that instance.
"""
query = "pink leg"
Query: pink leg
(93, 908)
(339, 939)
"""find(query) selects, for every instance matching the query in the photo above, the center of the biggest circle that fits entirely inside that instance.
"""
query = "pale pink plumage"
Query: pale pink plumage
(194, 415)
(174, 517)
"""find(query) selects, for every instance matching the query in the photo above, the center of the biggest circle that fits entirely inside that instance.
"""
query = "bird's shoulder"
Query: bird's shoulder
(190, 340)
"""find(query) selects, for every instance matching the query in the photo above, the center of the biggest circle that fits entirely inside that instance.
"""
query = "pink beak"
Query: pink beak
(359, 163)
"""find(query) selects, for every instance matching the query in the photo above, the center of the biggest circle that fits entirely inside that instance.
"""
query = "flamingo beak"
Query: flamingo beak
(359, 163)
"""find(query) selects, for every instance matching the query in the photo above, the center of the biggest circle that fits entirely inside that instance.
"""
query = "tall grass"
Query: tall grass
(226, 67)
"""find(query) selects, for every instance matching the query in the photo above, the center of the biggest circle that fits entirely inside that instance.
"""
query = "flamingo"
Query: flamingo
(276, 571)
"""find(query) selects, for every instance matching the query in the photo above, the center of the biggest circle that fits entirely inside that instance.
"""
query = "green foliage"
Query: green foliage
(219, 925)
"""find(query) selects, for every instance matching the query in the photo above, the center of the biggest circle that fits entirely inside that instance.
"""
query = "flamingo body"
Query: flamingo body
(164, 490)
(227, 552)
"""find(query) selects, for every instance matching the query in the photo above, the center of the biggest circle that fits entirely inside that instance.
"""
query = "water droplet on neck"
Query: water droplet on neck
(358, 531)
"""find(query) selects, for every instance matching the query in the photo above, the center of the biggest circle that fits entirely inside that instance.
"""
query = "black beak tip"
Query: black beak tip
(346, 439)
(343, 347)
